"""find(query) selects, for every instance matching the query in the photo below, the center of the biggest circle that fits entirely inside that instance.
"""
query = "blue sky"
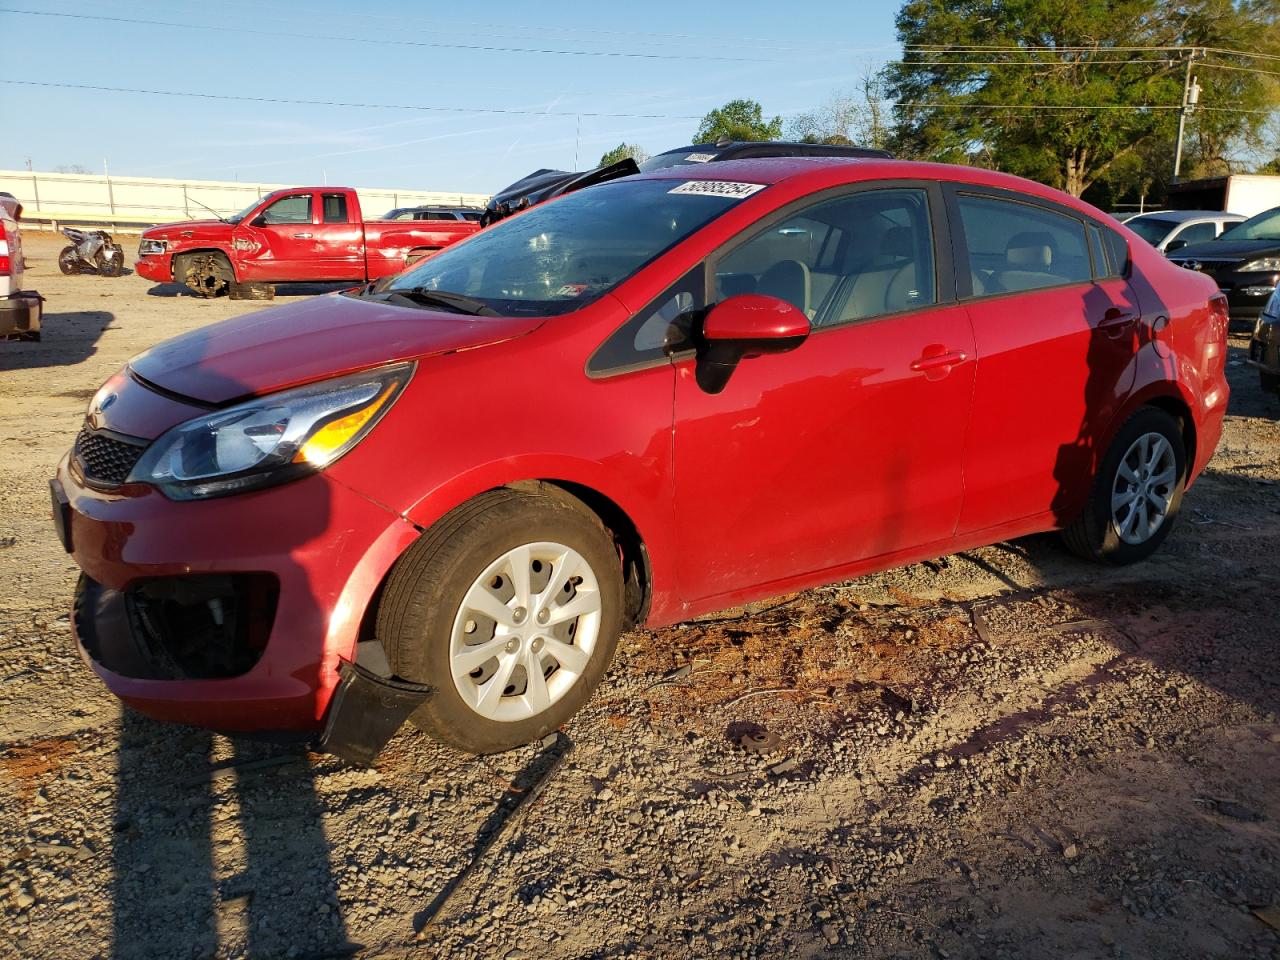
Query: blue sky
(694, 57)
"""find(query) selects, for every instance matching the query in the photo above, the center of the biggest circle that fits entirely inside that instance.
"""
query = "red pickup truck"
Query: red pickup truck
(298, 234)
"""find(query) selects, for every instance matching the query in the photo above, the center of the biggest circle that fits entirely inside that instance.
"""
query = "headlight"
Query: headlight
(269, 440)
(147, 248)
(1261, 265)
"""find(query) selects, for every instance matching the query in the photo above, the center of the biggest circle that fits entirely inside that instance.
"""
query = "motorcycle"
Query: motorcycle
(92, 251)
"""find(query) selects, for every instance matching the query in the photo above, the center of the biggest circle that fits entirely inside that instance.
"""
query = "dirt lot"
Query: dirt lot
(1003, 753)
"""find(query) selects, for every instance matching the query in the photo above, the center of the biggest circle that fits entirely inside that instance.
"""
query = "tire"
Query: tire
(206, 275)
(1096, 534)
(1270, 382)
(112, 262)
(423, 620)
(69, 261)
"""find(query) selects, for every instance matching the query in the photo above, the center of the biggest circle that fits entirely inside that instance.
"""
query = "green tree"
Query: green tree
(1057, 92)
(738, 120)
(622, 151)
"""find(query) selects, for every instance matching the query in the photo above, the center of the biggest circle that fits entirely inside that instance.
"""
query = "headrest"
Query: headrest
(1034, 248)
(896, 243)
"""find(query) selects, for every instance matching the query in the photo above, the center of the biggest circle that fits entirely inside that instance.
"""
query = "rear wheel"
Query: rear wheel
(69, 261)
(1136, 494)
(510, 609)
(205, 274)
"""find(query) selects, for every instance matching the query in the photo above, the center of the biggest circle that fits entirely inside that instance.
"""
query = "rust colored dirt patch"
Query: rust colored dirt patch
(25, 765)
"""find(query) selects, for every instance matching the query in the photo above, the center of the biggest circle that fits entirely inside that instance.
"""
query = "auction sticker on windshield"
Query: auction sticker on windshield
(700, 157)
(717, 188)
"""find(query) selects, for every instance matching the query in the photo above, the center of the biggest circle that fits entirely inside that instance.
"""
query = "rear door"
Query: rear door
(1056, 329)
(279, 243)
(338, 240)
(851, 445)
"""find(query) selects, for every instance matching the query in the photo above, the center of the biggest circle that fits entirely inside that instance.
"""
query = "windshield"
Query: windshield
(243, 213)
(1151, 229)
(1265, 226)
(675, 158)
(566, 253)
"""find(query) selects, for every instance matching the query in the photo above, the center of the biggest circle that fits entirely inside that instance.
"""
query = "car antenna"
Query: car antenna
(209, 208)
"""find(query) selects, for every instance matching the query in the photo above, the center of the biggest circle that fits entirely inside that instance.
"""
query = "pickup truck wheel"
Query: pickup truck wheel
(509, 607)
(205, 274)
(420, 254)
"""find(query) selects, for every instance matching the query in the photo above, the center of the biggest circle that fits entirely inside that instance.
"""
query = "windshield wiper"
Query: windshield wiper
(457, 302)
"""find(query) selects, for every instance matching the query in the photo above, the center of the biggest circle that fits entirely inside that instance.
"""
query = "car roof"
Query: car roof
(774, 170)
(1179, 216)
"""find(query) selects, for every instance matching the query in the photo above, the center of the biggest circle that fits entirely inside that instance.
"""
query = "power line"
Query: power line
(340, 103)
(1050, 64)
(387, 41)
(582, 113)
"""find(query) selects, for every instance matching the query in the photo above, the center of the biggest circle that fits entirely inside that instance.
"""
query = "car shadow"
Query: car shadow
(67, 338)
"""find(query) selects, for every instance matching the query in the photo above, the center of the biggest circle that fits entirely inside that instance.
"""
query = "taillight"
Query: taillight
(1221, 310)
(6, 265)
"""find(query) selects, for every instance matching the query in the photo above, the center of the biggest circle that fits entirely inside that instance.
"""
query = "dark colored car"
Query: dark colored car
(433, 213)
(542, 185)
(1264, 347)
(1244, 262)
(670, 394)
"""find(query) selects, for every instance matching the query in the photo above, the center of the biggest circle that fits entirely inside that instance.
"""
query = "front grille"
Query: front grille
(106, 459)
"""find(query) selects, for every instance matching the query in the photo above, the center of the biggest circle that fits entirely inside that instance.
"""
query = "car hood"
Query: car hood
(314, 339)
(1224, 249)
(186, 228)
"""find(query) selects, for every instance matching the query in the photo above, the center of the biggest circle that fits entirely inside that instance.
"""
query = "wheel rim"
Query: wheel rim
(525, 631)
(1144, 487)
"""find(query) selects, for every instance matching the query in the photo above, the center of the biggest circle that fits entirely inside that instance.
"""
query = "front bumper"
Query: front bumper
(157, 268)
(1246, 293)
(304, 560)
(1264, 347)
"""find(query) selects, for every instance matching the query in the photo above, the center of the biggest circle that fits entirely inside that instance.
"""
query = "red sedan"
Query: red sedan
(654, 398)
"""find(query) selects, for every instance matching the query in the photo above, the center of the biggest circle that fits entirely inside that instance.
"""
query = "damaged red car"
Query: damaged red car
(451, 491)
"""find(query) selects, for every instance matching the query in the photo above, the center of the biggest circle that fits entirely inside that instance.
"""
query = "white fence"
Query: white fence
(143, 201)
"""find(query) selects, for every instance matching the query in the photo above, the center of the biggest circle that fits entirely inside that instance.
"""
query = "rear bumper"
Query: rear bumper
(296, 566)
(21, 313)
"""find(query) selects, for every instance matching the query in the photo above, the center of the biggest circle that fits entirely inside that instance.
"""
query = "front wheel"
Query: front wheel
(205, 274)
(69, 261)
(112, 262)
(1136, 494)
(510, 609)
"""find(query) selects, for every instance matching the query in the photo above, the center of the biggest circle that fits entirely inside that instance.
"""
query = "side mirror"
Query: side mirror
(1175, 245)
(745, 326)
(259, 221)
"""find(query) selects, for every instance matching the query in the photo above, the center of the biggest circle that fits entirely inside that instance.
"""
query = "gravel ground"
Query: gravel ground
(1001, 753)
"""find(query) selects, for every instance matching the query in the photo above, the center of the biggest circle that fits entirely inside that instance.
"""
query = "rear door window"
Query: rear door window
(1015, 246)
(335, 208)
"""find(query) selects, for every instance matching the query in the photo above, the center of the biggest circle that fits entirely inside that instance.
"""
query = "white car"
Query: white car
(1169, 230)
(19, 309)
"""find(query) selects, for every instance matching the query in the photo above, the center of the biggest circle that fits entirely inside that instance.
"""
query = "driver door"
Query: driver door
(851, 445)
(280, 242)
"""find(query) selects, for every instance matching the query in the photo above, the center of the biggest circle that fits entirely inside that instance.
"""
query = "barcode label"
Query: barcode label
(718, 188)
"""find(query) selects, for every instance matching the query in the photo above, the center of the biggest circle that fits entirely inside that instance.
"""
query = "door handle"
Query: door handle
(1115, 322)
(302, 236)
(932, 361)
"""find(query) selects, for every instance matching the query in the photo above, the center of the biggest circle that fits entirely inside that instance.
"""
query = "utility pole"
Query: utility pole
(1190, 97)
